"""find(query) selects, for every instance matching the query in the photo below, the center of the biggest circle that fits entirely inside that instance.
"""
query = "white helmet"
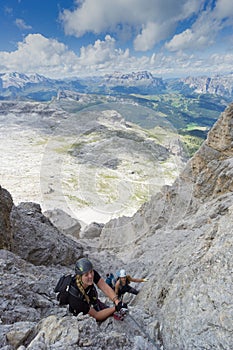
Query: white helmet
(122, 273)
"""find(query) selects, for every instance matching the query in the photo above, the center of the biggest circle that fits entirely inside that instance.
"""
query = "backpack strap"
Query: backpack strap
(75, 292)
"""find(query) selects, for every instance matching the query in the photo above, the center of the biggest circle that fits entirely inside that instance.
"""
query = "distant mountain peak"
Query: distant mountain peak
(133, 76)
(19, 80)
(219, 84)
(141, 79)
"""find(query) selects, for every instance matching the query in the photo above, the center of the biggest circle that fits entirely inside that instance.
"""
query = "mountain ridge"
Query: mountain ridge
(142, 82)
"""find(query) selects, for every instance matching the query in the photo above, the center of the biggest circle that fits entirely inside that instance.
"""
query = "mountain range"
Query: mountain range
(191, 105)
(38, 87)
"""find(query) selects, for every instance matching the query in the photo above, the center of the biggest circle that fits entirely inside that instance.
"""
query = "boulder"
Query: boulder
(92, 231)
(64, 222)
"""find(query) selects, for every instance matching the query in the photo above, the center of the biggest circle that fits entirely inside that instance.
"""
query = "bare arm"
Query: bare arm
(107, 290)
(103, 314)
(136, 279)
(117, 287)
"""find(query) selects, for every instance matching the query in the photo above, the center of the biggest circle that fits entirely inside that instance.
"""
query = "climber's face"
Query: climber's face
(87, 278)
(123, 280)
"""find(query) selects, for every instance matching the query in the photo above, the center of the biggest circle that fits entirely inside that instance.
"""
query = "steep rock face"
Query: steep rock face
(182, 240)
(37, 240)
(211, 167)
(190, 272)
(6, 204)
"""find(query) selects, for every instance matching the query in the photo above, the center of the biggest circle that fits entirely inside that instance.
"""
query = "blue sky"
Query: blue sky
(66, 38)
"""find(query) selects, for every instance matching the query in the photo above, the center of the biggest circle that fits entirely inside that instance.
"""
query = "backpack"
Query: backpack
(62, 288)
(109, 281)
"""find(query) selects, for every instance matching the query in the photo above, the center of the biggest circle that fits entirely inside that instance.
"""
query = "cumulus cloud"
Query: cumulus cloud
(49, 57)
(205, 29)
(38, 54)
(150, 35)
(192, 39)
(53, 59)
(101, 52)
(147, 21)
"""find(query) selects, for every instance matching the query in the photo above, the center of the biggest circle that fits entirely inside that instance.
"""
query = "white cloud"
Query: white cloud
(21, 24)
(37, 54)
(147, 21)
(205, 29)
(53, 59)
(191, 39)
(151, 34)
(201, 34)
(180, 41)
(101, 52)
(224, 8)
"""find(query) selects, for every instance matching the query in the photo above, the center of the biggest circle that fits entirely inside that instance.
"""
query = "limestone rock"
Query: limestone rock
(92, 231)
(37, 240)
(211, 167)
(182, 240)
(6, 204)
(20, 332)
(64, 222)
(26, 290)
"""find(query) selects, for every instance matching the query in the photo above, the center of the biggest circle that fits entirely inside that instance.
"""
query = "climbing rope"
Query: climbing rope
(143, 331)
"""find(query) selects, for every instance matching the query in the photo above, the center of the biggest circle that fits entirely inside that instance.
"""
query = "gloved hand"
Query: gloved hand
(120, 306)
(145, 280)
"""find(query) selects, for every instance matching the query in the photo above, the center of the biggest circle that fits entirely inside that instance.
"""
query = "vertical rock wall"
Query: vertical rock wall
(6, 204)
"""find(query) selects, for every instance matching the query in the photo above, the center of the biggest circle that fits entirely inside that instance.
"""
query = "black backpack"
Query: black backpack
(62, 288)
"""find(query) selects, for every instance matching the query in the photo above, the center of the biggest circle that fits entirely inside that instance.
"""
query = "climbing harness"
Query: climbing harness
(143, 331)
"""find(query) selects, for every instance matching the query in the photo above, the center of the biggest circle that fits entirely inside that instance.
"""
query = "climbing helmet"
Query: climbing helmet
(82, 266)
